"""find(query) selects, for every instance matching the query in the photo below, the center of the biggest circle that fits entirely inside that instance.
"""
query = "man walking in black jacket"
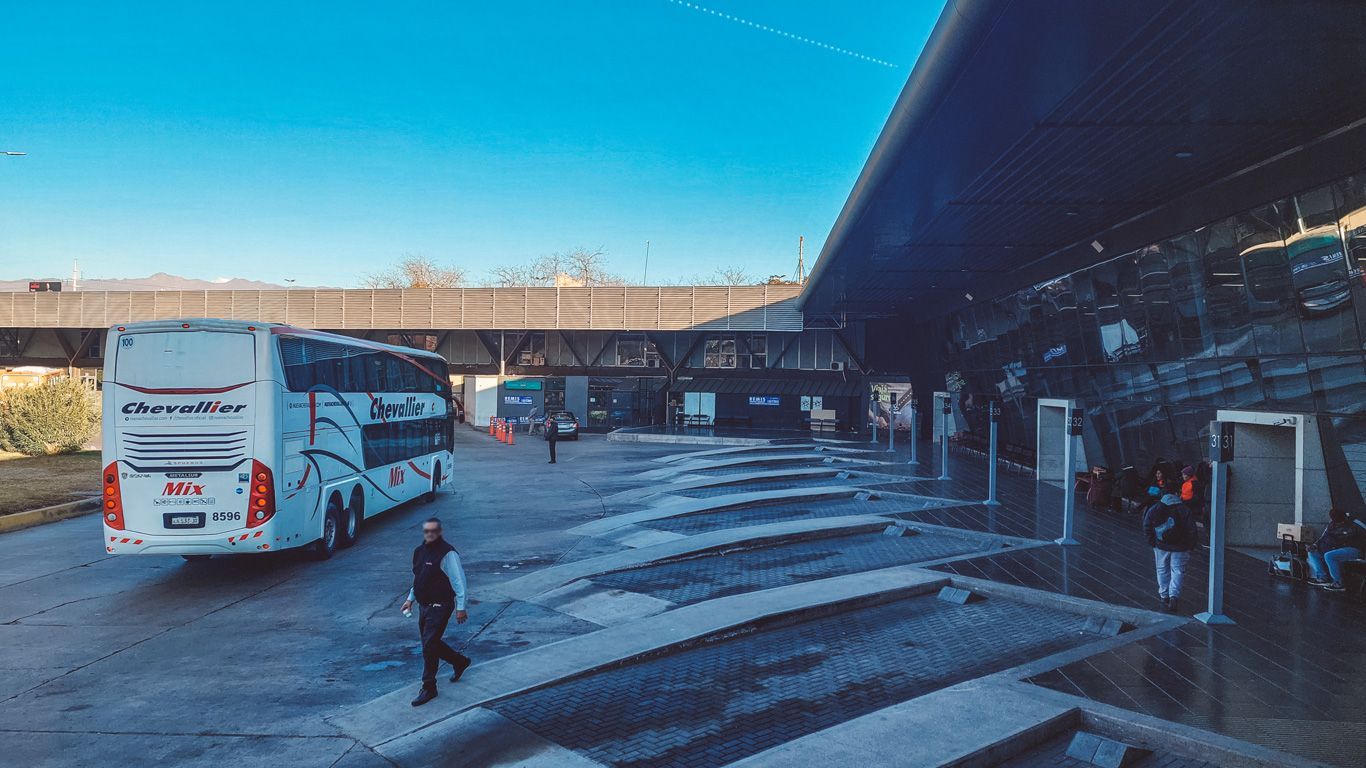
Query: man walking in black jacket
(552, 435)
(1170, 529)
(438, 589)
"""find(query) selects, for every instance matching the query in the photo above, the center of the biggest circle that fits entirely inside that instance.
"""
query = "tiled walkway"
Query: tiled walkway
(1291, 674)
(726, 700)
(705, 578)
(760, 514)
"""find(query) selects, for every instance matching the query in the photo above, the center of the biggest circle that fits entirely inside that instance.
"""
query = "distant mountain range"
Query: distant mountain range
(161, 281)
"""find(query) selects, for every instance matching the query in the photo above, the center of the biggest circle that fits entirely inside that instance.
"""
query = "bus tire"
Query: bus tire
(196, 558)
(430, 496)
(324, 547)
(349, 531)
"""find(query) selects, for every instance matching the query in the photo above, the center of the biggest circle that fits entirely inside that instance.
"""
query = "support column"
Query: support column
(994, 414)
(1072, 424)
(1221, 454)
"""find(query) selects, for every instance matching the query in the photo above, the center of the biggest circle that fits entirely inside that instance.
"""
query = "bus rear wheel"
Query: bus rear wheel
(324, 547)
(430, 496)
(351, 520)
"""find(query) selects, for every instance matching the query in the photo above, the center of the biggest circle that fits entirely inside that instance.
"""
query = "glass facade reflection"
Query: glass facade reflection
(1264, 310)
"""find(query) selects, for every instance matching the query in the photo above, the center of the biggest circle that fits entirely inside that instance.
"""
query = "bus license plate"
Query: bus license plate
(184, 520)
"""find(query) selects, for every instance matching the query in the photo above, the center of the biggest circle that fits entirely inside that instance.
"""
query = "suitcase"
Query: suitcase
(1290, 562)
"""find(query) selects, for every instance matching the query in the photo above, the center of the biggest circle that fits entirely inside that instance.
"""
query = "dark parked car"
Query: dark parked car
(568, 423)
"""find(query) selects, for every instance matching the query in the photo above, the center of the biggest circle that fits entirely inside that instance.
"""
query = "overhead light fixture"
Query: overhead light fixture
(1096, 245)
(1183, 154)
(1073, 213)
(967, 296)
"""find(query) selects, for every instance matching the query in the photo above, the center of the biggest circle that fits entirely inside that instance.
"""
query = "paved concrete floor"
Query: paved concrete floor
(151, 660)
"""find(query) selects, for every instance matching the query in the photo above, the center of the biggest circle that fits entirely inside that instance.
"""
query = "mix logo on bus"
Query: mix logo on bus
(183, 489)
(383, 411)
(395, 476)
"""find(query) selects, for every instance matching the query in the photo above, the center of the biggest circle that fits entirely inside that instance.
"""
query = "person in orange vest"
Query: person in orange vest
(1190, 491)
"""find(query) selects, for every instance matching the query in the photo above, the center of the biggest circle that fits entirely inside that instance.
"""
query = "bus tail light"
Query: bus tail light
(113, 499)
(261, 502)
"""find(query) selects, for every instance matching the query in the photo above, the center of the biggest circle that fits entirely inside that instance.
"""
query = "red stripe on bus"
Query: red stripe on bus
(420, 472)
(184, 391)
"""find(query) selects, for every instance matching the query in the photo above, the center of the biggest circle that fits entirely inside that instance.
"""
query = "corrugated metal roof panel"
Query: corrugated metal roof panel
(571, 308)
(92, 309)
(415, 308)
(358, 309)
(446, 306)
(642, 308)
(541, 307)
(274, 307)
(301, 309)
(609, 307)
(575, 311)
(509, 309)
(387, 305)
(478, 310)
(746, 311)
(675, 308)
(710, 307)
(141, 306)
(193, 304)
(218, 304)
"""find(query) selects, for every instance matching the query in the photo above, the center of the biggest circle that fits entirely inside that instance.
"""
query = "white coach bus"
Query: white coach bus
(224, 437)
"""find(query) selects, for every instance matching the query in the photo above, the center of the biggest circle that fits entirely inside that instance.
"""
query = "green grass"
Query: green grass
(29, 482)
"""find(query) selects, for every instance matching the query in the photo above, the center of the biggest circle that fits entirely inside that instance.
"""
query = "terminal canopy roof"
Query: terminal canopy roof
(1030, 128)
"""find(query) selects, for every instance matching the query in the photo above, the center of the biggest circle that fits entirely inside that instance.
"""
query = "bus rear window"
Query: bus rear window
(185, 359)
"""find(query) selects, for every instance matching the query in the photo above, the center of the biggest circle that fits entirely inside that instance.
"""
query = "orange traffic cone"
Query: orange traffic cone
(491, 421)
(498, 433)
(512, 434)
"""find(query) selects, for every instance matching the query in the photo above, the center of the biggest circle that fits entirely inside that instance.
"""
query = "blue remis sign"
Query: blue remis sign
(764, 400)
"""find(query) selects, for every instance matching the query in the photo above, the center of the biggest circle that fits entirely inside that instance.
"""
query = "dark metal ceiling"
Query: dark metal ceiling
(1031, 127)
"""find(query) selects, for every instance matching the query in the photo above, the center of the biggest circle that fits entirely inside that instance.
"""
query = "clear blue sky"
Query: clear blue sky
(320, 141)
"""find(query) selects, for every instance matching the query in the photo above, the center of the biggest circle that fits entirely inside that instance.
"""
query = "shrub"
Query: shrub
(58, 416)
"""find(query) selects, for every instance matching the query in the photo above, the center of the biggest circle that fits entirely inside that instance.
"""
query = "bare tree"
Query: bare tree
(511, 276)
(587, 267)
(726, 276)
(415, 271)
(579, 267)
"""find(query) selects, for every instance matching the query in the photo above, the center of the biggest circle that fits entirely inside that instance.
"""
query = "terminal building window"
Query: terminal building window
(720, 352)
(758, 351)
(533, 352)
(631, 350)
(1264, 309)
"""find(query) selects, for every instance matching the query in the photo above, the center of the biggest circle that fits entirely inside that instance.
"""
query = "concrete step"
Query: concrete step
(417, 736)
(689, 506)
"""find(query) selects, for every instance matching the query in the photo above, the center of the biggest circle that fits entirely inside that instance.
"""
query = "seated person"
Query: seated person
(1343, 539)
(1161, 484)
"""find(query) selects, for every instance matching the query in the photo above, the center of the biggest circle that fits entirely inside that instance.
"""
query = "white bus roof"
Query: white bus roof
(279, 329)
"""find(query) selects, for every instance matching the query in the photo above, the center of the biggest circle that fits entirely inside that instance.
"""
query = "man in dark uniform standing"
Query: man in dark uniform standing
(552, 435)
(438, 589)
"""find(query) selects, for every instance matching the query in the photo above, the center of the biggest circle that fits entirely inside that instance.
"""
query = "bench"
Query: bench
(1357, 569)
(823, 420)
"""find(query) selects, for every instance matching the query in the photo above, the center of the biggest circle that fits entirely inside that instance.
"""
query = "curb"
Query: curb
(629, 437)
(43, 515)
